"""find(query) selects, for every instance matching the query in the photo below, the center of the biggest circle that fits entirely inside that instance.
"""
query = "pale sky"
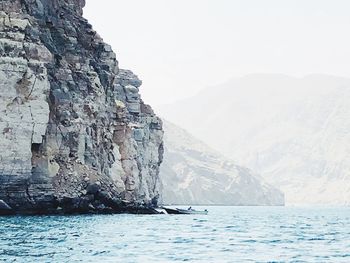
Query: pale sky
(178, 47)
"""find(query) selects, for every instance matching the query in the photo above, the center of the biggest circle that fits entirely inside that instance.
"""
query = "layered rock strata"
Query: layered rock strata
(75, 135)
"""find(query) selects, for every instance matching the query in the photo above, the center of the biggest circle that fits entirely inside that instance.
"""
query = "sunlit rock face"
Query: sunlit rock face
(75, 135)
(192, 173)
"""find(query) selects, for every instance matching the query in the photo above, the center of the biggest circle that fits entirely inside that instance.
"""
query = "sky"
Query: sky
(178, 47)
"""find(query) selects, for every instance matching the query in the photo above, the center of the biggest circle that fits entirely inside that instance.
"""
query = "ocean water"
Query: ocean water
(227, 234)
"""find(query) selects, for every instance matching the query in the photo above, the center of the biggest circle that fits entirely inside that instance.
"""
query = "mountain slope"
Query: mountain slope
(292, 131)
(192, 173)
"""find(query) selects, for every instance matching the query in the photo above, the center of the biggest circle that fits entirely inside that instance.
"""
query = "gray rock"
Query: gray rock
(134, 107)
(68, 114)
(93, 188)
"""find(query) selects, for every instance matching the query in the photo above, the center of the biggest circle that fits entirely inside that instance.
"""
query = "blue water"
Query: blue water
(227, 234)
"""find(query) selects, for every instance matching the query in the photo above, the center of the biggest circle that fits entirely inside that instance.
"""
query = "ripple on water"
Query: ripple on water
(227, 234)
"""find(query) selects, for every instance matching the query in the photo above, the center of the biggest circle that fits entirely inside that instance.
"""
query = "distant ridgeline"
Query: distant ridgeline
(294, 132)
(193, 173)
(75, 135)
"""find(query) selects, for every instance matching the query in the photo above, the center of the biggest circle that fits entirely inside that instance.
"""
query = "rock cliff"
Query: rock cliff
(193, 173)
(75, 135)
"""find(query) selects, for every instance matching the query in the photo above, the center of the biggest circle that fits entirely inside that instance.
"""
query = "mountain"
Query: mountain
(295, 132)
(75, 135)
(192, 173)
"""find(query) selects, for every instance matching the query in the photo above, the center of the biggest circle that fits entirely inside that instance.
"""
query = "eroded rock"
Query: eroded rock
(70, 118)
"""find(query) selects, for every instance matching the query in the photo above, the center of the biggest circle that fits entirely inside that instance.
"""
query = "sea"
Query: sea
(226, 234)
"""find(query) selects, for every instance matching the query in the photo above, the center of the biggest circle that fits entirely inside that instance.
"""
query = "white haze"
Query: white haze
(297, 127)
(294, 132)
(181, 46)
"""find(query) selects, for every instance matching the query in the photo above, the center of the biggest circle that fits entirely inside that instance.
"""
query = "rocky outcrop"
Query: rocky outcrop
(75, 135)
(193, 173)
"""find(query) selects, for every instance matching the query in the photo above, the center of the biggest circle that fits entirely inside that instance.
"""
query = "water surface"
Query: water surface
(227, 234)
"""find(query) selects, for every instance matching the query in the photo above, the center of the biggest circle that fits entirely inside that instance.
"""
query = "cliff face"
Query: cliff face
(74, 134)
(193, 173)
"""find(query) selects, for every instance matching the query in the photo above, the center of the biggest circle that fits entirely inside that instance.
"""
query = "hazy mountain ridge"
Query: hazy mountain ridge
(292, 131)
(193, 173)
